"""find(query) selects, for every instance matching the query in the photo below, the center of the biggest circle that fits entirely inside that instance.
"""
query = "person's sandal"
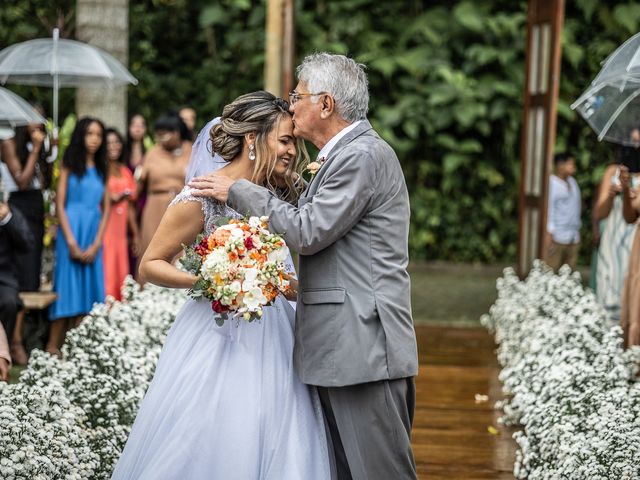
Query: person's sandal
(18, 354)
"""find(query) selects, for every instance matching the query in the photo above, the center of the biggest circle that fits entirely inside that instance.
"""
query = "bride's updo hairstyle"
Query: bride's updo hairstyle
(259, 112)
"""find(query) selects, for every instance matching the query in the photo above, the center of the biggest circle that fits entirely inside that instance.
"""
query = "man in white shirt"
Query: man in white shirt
(562, 240)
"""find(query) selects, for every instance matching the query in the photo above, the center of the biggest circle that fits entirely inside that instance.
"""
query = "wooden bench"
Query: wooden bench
(37, 300)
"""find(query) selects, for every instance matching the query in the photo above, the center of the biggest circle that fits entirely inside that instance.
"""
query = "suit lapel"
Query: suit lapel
(363, 127)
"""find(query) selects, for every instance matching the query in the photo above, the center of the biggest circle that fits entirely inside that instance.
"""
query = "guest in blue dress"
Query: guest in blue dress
(82, 207)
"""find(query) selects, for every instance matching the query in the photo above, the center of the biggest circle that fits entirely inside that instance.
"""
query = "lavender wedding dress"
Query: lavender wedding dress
(225, 402)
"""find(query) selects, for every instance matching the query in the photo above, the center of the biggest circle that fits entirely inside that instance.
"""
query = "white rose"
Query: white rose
(254, 222)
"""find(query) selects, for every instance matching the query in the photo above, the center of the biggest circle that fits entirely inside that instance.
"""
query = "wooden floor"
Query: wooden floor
(451, 438)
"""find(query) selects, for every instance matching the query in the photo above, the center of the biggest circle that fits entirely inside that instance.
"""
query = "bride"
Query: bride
(225, 402)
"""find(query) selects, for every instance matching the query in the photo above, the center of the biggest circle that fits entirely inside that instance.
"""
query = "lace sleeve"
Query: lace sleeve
(186, 195)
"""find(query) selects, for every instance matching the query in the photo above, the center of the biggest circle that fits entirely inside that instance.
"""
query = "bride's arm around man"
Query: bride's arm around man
(354, 336)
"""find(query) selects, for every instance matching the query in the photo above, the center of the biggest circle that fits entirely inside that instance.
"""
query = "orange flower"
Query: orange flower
(220, 237)
(258, 257)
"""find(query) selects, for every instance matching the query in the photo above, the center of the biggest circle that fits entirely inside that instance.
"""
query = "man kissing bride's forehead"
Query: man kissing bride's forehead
(351, 336)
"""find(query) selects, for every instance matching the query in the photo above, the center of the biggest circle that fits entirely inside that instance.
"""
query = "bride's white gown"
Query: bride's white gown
(225, 402)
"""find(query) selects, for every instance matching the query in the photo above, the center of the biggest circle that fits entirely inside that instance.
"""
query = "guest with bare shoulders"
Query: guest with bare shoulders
(163, 172)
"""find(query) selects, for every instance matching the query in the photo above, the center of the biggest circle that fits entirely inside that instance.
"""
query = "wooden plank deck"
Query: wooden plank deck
(450, 434)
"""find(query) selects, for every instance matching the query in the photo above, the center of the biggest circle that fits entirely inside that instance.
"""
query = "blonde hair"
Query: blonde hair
(259, 113)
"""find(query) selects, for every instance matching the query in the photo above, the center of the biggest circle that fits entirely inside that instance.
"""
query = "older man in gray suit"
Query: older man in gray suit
(354, 337)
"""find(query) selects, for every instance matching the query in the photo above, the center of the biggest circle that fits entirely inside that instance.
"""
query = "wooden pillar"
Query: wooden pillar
(279, 48)
(543, 54)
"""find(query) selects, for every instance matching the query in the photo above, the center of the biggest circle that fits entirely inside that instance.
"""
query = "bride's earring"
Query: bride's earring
(252, 153)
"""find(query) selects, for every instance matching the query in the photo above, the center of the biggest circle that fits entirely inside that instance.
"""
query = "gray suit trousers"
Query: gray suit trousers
(370, 429)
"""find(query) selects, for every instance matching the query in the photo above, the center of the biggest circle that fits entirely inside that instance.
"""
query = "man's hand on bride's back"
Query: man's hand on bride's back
(213, 186)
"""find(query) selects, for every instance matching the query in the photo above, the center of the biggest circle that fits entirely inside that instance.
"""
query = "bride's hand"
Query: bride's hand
(212, 186)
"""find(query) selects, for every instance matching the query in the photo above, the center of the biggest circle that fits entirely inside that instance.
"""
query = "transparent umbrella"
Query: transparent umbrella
(612, 108)
(15, 111)
(611, 105)
(624, 61)
(60, 63)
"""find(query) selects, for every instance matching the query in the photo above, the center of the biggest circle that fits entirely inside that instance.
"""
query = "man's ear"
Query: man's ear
(327, 106)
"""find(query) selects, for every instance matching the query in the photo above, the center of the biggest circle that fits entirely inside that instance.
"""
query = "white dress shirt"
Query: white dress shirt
(563, 216)
(324, 152)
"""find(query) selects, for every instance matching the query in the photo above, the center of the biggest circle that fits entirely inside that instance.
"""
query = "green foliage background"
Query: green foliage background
(445, 78)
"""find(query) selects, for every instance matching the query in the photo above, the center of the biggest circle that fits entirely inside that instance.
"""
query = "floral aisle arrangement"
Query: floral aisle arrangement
(70, 419)
(567, 379)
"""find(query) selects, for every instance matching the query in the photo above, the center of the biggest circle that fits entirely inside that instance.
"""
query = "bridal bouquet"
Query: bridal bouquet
(240, 267)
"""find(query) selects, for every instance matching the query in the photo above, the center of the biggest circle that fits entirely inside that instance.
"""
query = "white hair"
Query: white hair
(341, 77)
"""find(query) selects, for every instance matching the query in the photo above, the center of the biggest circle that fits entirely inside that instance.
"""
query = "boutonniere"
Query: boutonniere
(313, 167)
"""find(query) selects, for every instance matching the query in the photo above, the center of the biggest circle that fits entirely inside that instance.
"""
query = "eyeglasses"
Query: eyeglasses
(294, 96)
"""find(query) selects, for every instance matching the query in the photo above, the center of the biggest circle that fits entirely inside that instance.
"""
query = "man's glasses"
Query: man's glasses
(294, 96)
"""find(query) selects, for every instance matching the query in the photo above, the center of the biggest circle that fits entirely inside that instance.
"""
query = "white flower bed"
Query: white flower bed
(568, 381)
(70, 419)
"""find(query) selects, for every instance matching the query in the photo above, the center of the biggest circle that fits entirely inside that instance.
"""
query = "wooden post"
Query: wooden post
(273, 47)
(543, 54)
(280, 46)
(288, 50)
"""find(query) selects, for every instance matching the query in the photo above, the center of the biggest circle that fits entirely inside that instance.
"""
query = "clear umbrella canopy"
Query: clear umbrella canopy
(36, 62)
(60, 63)
(15, 111)
(625, 61)
(611, 105)
(612, 109)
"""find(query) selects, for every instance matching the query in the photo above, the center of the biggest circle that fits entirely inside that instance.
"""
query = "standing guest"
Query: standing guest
(122, 194)
(136, 147)
(25, 173)
(630, 304)
(5, 357)
(15, 238)
(162, 176)
(138, 143)
(188, 116)
(79, 275)
(616, 240)
(564, 206)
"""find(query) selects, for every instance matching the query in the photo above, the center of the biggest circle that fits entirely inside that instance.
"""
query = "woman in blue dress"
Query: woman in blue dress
(82, 207)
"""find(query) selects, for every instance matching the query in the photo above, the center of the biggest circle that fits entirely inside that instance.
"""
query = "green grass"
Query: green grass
(451, 294)
(15, 372)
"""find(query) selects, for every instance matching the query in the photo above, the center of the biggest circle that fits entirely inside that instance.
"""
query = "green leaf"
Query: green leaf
(452, 161)
(222, 221)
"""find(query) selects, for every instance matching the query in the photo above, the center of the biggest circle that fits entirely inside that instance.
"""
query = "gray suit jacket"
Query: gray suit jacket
(351, 230)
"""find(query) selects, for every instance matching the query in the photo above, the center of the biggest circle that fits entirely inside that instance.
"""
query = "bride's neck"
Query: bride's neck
(239, 168)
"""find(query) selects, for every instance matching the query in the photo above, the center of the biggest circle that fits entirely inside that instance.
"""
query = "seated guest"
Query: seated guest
(15, 236)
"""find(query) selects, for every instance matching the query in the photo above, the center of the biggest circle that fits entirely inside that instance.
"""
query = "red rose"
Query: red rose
(217, 307)
(248, 243)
